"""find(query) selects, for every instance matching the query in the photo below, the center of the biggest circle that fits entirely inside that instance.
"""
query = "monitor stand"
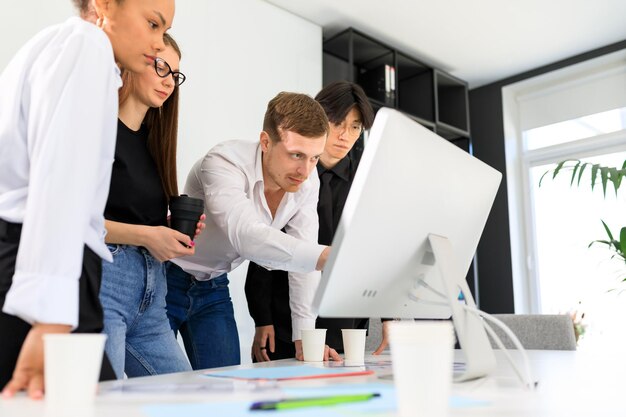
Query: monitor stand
(480, 360)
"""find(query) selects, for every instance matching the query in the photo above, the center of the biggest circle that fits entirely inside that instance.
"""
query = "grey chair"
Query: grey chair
(537, 331)
(374, 335)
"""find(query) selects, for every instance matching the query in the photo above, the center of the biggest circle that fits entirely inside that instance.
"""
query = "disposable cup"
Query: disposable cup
(72, 364)
(354, 346)
(422, 357)
(313, 343)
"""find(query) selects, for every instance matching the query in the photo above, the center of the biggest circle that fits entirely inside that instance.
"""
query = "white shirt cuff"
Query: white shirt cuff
(43, 299)
(305, 256)
(298, 325)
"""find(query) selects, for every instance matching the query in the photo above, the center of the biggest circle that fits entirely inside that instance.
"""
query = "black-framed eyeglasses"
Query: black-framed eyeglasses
(163, 69)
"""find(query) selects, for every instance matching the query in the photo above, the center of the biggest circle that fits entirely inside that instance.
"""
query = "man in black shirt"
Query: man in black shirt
(349, 113)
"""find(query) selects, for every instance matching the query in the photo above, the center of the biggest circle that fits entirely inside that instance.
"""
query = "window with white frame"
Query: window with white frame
(577, 113)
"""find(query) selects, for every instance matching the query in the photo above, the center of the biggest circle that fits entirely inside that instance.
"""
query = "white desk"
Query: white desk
(570, 384)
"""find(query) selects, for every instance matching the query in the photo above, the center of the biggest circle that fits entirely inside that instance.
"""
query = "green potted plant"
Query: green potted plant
(599, 174)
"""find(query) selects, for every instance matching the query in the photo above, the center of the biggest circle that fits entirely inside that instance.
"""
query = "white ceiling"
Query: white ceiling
(479, 41)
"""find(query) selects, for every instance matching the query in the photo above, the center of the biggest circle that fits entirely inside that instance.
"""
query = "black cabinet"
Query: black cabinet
(416, 92)
(394, 79)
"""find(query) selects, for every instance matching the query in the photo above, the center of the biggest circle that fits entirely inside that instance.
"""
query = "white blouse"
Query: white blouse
(58, 122)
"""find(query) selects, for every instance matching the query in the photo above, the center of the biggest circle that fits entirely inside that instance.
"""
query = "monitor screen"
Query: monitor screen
(411, 187)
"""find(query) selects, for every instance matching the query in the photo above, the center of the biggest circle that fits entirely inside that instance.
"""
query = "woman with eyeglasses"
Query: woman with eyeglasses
(140, 341)
(58, 108)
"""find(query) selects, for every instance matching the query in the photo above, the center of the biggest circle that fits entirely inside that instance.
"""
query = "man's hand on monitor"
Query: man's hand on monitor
(28, 374)
(384, 340)
(321, 261)
(260, 345)
(329, 353)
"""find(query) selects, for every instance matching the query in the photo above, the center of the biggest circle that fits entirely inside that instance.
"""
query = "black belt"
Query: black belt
(10, 230)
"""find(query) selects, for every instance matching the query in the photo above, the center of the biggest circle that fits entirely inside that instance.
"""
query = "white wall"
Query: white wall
(23, 19)
(237, 54)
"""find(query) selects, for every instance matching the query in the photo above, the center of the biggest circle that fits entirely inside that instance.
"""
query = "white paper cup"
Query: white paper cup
(313, 343)
(72, 368)
(354, 346)
(422, 357)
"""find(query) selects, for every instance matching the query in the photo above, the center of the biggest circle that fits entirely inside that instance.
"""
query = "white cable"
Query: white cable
(527, 381)
(500, 345)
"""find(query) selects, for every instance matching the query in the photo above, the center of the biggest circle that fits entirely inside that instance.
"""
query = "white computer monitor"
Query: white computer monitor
(408, 233)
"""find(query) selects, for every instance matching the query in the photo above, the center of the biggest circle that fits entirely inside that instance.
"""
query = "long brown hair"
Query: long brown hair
(162, 124)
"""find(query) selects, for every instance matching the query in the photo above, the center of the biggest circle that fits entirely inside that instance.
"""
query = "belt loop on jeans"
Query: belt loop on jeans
(10, 230)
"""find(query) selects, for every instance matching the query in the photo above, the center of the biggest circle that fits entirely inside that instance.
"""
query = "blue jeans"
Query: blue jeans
(202, 312)
(140, 341)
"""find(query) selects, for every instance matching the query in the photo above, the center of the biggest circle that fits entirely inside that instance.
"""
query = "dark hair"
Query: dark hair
(162, 124)
(339, 97)
(82, 6)
(297, 113)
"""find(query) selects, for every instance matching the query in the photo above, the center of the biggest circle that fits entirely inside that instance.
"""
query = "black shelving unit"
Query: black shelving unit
(416, 93)
(452, 111)
(426, 94)
(359, 58)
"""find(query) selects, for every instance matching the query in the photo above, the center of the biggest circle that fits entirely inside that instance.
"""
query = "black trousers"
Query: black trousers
(13, 330)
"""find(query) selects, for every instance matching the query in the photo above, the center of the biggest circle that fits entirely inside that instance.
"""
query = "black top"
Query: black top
(334, 188)
(136, 195)
(267, 292)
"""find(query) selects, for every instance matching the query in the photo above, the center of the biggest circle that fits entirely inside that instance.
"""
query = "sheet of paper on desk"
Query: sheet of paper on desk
(282, 373)
(193, 387)
(384, 405)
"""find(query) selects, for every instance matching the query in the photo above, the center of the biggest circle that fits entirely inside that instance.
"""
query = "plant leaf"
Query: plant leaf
(604, 242)
(604, 174)
(574, 173)
(594, 174)
(620, 173)
(622, 242)
(615, 178)
(580, 173)
(544, 174)
(608, 231)
(560, 165)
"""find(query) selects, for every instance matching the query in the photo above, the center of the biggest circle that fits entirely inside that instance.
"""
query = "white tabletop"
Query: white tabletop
(570, 384)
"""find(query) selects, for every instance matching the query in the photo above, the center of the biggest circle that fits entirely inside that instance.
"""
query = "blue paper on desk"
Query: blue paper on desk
(385, 404)
(282, 372)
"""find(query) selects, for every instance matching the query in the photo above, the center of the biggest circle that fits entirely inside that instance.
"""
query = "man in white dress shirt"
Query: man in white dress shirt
(252, 191)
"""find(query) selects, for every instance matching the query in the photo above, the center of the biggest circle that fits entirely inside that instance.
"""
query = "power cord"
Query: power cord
(527, 379)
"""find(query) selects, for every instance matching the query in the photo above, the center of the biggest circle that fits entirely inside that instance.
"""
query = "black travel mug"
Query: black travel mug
(186, 212)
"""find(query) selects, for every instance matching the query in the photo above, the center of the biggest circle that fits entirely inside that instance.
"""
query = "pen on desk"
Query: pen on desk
(291, 403)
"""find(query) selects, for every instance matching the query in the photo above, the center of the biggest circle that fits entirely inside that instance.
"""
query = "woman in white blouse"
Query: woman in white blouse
(58, 120)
